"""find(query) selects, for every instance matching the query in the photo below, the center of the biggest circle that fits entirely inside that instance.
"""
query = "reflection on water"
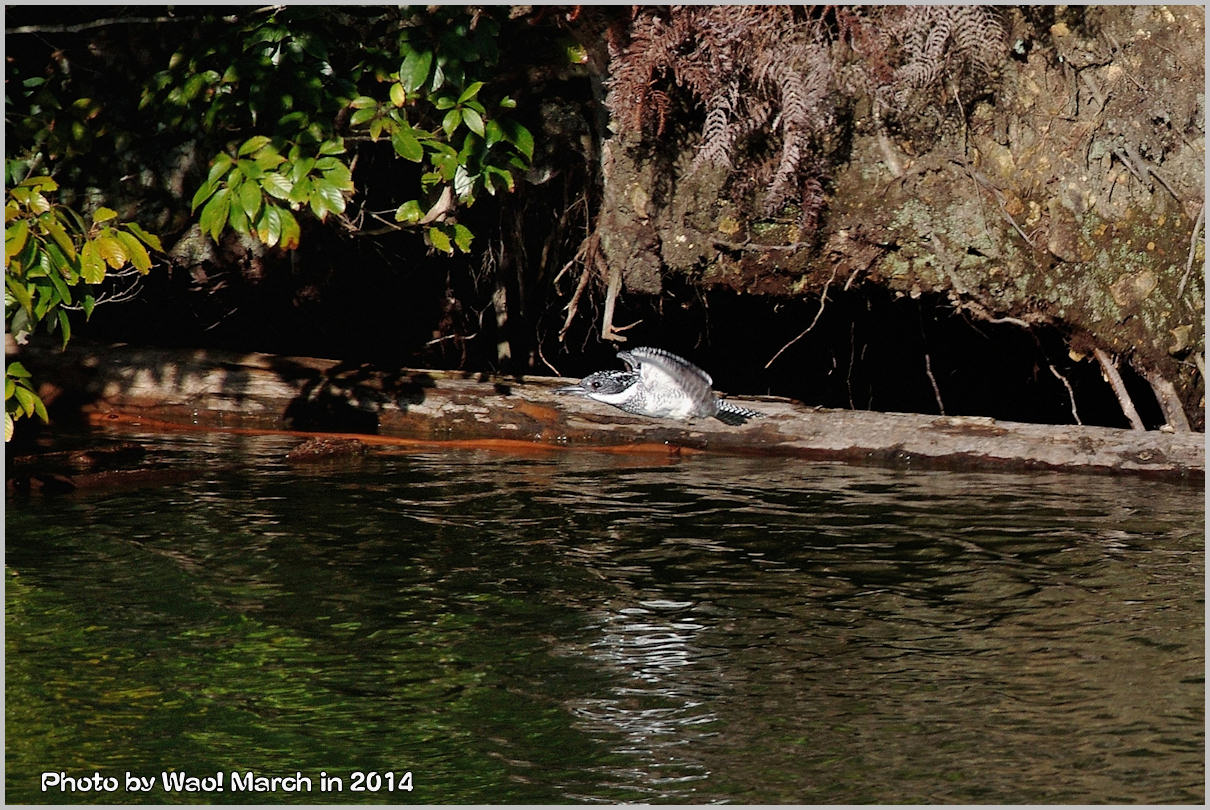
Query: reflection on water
(584, 627)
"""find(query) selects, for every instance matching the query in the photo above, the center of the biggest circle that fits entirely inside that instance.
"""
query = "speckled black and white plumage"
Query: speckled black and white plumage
(662, 385)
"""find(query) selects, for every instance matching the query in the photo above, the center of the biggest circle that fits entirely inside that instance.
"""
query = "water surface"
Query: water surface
(574, 627)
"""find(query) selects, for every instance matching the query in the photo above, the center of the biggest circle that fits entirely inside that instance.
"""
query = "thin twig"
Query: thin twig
(1071, 395)
(758, 248)
(928, 369)
(823, 299)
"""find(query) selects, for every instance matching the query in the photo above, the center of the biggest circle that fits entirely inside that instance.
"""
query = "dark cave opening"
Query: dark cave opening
(871, 349)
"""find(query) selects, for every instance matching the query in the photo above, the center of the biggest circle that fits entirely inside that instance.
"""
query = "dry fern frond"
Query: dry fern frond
(768, 80)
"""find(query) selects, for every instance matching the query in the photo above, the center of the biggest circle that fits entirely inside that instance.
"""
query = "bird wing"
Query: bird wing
(659, 368)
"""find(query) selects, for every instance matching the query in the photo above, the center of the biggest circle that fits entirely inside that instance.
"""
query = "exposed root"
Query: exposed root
(1071, 395)
(1109, 369)
(608, 330)
(1170, 403)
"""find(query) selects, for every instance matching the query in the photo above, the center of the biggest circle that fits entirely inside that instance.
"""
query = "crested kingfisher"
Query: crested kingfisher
(659, 384)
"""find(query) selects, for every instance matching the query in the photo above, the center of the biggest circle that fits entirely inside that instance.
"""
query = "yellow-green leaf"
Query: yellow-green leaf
(14, 239)
(410, 211)
(252, 144)
(103, 214)
(61, 238)
(290, 232)
(92, 266)
(440, 240)
(135, 251)
(398, 95)
(111, 250)
(149, 239)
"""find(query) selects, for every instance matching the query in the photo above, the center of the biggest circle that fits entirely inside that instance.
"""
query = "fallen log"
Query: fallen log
(226, 390)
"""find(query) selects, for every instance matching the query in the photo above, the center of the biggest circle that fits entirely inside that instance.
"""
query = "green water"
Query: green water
(585, 627)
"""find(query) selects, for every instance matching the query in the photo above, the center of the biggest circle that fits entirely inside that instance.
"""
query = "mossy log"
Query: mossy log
(230, 391)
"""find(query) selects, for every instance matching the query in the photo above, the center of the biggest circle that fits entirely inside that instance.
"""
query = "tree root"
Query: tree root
(1110, 370)
(1170, 403)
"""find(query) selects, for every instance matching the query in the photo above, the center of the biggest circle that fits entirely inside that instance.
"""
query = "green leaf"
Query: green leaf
(214, 215)
(341, 177)
(92, 266)
(222, 162)
(268, 228)
(135, 251)
(470, 92)
(268, 158)
(333, 200)
(463, 237)
(276, 185)
(103, 214)
(444, 102)
(25, 398)
(333, 147)
(439, 240)
(398, 95)
(249, 169)
(474, 121)
(15, 369)
(451, 121)
(65, 325)
(8, 426)
(359, 117)
(409, 212)
(301, 168)
(15, 236)
(60, 288)
(492, 133)
(415, 70)
(290, 232)
(61, 238)
(407, 146)
(250, 199)
(237, 218)
(201, 195)
(364, 103)
(520, 137)
(87, 304)
(300, 192)
(149, 239)
(252, 144)
(21, 292)
(40, 409)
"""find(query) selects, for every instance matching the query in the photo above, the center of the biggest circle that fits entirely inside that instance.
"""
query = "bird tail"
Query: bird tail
(734, 414)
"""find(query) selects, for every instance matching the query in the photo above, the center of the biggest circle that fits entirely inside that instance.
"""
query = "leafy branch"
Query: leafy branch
(49, 251)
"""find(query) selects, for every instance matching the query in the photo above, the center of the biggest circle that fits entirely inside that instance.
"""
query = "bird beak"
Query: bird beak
(572, 389)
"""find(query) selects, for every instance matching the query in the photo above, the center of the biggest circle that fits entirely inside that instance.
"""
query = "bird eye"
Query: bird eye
(595, 384)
